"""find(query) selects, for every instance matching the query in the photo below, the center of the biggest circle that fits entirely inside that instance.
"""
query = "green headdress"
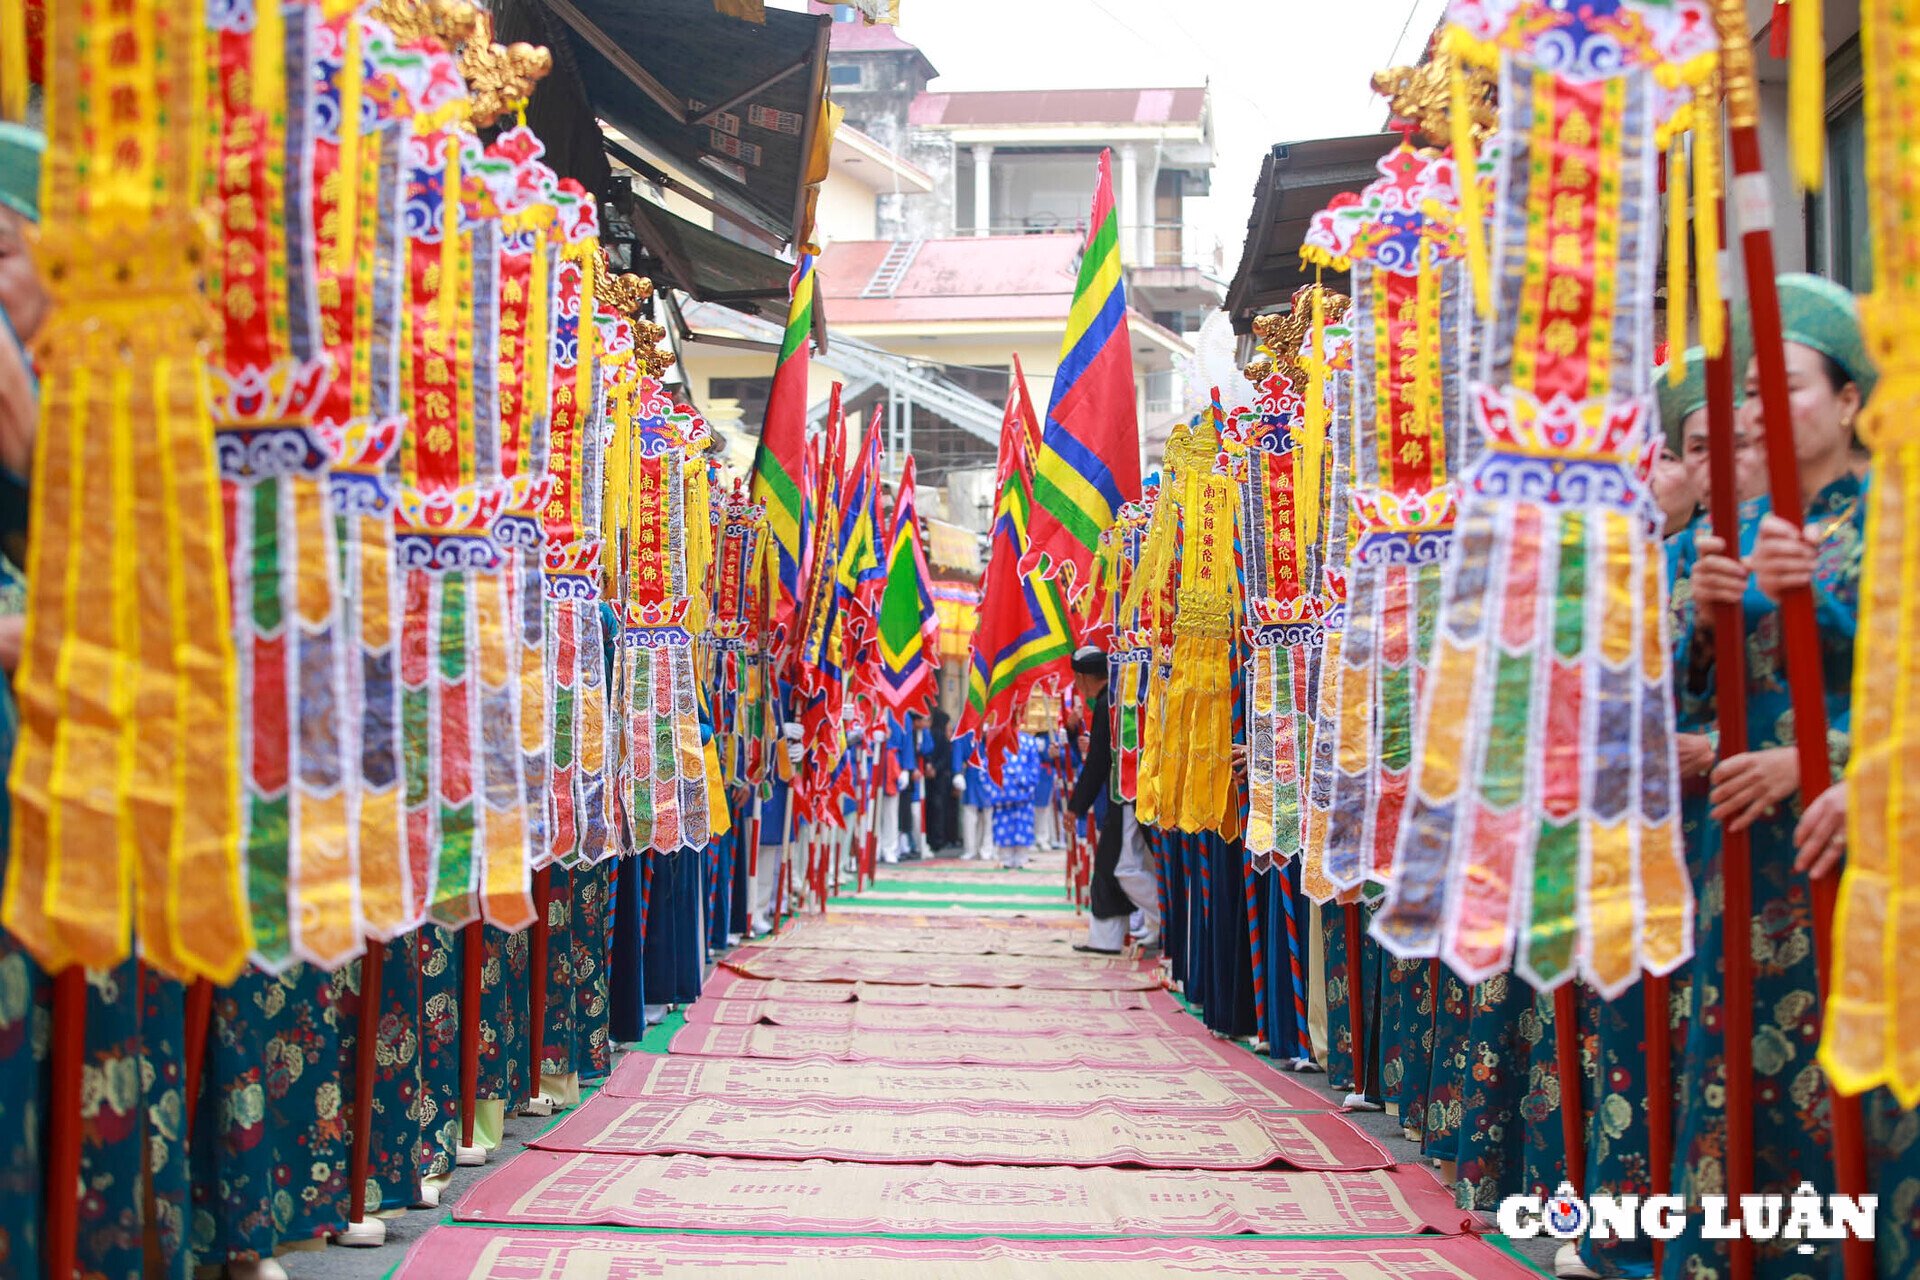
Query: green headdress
(20, 152)
(1822, 315)
(1678, 403)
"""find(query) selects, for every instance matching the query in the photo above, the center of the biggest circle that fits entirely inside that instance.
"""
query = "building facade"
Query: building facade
(949, 229)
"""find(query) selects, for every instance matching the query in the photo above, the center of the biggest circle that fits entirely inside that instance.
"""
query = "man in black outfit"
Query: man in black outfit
(1092, 794)
(943, 823)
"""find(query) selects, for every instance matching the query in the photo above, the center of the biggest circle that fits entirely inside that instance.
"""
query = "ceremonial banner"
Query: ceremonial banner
(357, 149)
(271, 371)
(1089, 459)
(1872, 1018)
(1192, 764)
(1334, 364)
(126, 780)
(1268, 450)
(1130, 645)
(1411, 326)
(909, 629)
(817, 675)
(667, 795)
(1542, 829)
(1022, 636)
(526, 193)
(577, 822)
(443, 519)
(779, 481)
(742, 713)
(859, 573)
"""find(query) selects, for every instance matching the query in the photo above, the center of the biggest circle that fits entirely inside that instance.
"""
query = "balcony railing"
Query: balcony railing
(1171, 244)
(1178, 244)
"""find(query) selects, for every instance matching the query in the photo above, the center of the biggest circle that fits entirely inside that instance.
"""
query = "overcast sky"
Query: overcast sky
(1281, 70)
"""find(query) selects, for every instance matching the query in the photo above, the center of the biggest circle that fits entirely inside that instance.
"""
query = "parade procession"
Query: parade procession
(636, 645)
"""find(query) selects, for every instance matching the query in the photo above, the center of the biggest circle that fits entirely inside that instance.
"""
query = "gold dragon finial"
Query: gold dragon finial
(1421, 96)
(500, 77)
(627, 294)
(450, 23)
(1284, 337)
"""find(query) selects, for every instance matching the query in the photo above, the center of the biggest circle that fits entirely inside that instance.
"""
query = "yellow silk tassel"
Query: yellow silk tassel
(451, 284)
(1677, 264)
(1706, 227)
(13, 59)
(1307, 502)
(1466, 174)
(1807, 93)
(347, 171)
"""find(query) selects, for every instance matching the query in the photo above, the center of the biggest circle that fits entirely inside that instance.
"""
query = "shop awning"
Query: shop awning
(704, 264)
(1297, 180)
(730, 104)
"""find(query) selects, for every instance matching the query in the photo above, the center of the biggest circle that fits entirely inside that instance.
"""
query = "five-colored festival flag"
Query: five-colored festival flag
(1022, 637)
(779, 465)
(909, 627)
(1089, 460)
(857, 577)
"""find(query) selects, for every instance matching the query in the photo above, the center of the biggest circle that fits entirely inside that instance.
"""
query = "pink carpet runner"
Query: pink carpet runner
(1101, 1134)
(775, 1196)
(889, 1096)
(993, 1089)
(518, 1253)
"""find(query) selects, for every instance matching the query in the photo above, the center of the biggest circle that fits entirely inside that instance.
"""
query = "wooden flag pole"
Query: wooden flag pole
(63, 1122)
(1356, 1005)
(538, 946)
(363, 1231)
(473, 959)
(1736, 874)
(1799, 628)
(199, 1017)
(1573, 1104)
(1657, 998)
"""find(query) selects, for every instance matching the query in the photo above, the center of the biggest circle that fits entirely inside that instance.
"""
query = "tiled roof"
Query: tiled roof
(1060, 106)
(858, 37)
(963, 278)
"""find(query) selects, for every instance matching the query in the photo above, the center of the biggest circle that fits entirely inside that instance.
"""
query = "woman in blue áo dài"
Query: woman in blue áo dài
(1618, 1142)
(1830, 376)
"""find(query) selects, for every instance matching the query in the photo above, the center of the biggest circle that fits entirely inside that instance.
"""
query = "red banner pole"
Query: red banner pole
(63, 1122)
(199, 1017)
(362, 1231)
(1801, 632)
(1573, 1108)
(473, 960)
(1657, 996)
(1736, 875)
(1356, 1004)
(538, 946)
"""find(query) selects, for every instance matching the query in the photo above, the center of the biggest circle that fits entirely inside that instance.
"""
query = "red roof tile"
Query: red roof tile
(1061, 106)
(858, 37)
(964, 278)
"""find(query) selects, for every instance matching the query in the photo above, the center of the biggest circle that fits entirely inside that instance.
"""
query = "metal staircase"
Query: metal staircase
(892, 269)
(865, 365)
